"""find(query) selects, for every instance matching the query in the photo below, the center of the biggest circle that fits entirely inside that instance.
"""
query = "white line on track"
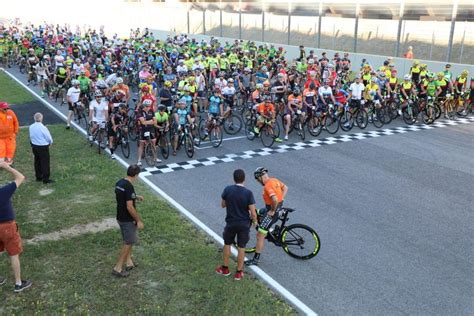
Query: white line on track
(224, 139)
(259, 272)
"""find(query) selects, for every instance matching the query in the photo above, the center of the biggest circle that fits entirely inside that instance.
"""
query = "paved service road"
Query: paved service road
(394, 214)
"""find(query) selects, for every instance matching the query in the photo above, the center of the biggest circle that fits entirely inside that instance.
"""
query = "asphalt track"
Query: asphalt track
(394, 214)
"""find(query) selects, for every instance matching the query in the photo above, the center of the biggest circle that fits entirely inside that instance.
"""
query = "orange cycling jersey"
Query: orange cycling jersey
(266, 109)
(255, 95)
(273, 187)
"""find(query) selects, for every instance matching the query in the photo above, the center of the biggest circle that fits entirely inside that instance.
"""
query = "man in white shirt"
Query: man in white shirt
(98, 112)
(73, 94)
(40, 140)
(356, 89)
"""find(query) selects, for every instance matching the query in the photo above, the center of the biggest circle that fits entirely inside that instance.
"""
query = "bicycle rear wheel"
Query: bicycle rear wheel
(249, 129)
(331, 123)
(215, 136)
(189, 146)
(346, 122)
(133, 129)
(314, 126)
(362, 119)
(150, 154)
(267, 135)
(164, 146)
(124, 144)
(300, 241)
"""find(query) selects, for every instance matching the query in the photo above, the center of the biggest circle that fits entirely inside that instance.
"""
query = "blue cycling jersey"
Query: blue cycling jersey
(214, 103)
(182, 114)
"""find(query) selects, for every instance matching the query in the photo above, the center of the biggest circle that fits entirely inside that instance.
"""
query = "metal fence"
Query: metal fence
(437, 30)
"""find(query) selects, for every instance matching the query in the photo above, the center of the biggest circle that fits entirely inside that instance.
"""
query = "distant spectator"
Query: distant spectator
(302, 53)
(40, 140)
(8, 129)
(10, 239)
(409, 53)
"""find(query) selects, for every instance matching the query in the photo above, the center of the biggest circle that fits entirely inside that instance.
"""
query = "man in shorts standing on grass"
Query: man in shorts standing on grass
(240, 204)
(10, 239)
(128, 220)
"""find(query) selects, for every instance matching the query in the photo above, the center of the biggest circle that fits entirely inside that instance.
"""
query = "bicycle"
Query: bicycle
(296, 124)
(213, 129)
(267, 133)
(297, 240)
(60, 93)
(163, 142)
(121, 138)
(184, 137)
(99, 136)
(232, 123)
(149, 150)
(429, 112)
(327, 119)
(80, 116)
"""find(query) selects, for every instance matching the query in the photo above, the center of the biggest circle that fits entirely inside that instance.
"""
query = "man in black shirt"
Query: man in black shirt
(240, 204)
(128, 219)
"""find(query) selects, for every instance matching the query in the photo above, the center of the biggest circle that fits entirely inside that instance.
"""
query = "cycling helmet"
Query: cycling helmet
(311, 61)
(440, 74)
(119, 80)
(145, 88)
(221, 74)
(260, 171)
(406, 77)
(147, 102)
(394, 71)
(374, 79)
(217, 90)
(259, 86)
(122, 106)
(330, 66)
(296, 92)
(97, 93)
(382, 74)
(230, 80)
(247, 69)
(161, 107)
(430, 75)
(168, 83)
(464, 73)
(312, 86)
(266, 84)
(264, 68)
(75, 82)
(101, 84)
(62, 71)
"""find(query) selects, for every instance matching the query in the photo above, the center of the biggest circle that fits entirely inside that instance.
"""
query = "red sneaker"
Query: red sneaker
(239, 275)
(223, 271)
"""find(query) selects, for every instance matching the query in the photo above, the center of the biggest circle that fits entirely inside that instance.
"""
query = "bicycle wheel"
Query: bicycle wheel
(300, 128)
(267, 135)
(249, 129)
(408, 115)
(376, 118)
(164, 146)
(82, 121)
(300, 241)
(314, 126)
(232, 124)
(215, 136)
(124, 144)
(150, 154)
(196, 133)
(331, 123)
(346, 122)
(189, 146)
(132, 129)
(362, 119)
(437, 110)
(100, 140)
(461, 108)
(385, 116)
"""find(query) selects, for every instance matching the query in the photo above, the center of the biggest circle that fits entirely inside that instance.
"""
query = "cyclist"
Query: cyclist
(181, 118)
(162, 119)
(460, 83)
(147, 122)
(407, 89)
(98, 113)
(325, 95)
(295, 103)
(72, 99)
(265, 112)
(118, 118)
(274, 192)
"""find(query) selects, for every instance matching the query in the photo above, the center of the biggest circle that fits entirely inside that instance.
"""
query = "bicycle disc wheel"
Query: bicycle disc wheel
(300, 241)
(150, 154)
(232, 124)
(189, 146)
(215, 136)
(331, 123)
(164, 146)
(267, 135)
(124, 145)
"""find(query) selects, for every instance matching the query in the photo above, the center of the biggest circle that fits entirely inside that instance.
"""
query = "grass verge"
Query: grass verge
(12, 92)
(176, 272)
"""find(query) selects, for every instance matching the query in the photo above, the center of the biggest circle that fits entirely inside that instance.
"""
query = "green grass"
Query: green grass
(12, 92)
(176, 261)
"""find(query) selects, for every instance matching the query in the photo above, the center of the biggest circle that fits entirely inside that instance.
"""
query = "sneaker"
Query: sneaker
(286, 137)
(222, 271)
(158, 160)
(122, 274)
(256, 130)
(278, 140)
(139, 163)
(113, 156)
(3, 281)
(239, 275)
(399, 112)
(252, 262)
(24, 285)
(91, 138)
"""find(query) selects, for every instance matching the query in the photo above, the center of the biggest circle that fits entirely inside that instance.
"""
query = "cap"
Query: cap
(4, 105)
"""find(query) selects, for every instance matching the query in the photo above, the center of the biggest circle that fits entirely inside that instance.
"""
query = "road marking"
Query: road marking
(277, 287)
(343, 138)
(224, 139)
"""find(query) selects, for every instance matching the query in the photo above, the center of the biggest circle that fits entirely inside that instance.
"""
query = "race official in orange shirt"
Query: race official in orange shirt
(8, 129)
(274, 192)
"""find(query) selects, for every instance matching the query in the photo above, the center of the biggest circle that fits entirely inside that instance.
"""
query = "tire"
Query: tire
(346, 122)
(267, 135)
(385, 116)
(393, 110)
(132, 129)
(376, 118)
(314, 126)
(125, 145)
(249, 126)
(196, 133)
(462, 110)
(300, 129)
(150, 154)
(164, 146)
(215, 136)
(438, 110)
(409, 118)
(232, 124)
(82, 120)
(188, 146)
(295, 236)
(100, 139)
(331, 123)
(202, 129)
(362, 119)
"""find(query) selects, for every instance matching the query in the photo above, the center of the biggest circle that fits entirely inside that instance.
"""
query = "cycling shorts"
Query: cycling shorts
(142, 134)
(265, 221)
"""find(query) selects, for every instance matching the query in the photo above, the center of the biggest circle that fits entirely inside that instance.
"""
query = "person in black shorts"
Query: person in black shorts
(128, 220)
(240, 205)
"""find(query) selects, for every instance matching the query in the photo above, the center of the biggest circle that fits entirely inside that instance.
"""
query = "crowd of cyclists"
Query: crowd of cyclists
(173, 93)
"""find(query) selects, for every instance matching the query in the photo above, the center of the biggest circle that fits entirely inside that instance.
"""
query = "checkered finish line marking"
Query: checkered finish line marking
(210, 161)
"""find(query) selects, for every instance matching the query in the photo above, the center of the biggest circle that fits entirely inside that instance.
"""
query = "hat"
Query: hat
(4, 105)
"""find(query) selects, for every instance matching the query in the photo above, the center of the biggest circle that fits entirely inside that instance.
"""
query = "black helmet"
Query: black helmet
(161, 107)
(296, 92)
(260, 171)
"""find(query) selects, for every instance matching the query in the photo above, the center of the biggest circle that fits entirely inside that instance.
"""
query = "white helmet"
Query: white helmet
(407, 77)
(311, 61)
(75, 82)
(101, 84)
(98, 93)
(119, 80)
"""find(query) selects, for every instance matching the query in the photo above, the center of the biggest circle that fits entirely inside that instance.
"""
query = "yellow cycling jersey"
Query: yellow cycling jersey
(407, 85)
(415, 70)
